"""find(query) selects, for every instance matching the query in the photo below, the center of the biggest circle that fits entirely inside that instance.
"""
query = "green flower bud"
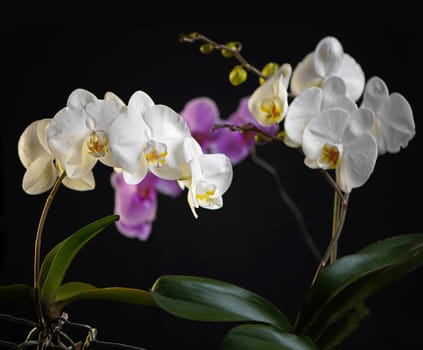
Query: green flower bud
(268, 70)
(206, 48)
(237, 75)
(281, 135)
(233, 45)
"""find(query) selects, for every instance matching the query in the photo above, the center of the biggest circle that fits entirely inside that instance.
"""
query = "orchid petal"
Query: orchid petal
(302, 109)
(79, 98)
(328, 56)
(396, 125)
(84, 183)
(375, 94)
(304, 75)
(328, 127)
(201, 114)
(40, 176)
(358, 162)
(352, 74)
(30, 147)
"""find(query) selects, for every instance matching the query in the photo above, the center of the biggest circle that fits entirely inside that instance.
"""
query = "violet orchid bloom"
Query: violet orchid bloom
(136, 205)
(202, 113)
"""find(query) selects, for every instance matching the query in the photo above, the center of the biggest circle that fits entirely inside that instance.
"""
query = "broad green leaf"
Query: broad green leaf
(263, 337)
(345, 284)
(76, 291)
(62, 255)
(204, 299)
(21, 293)
(45, 265)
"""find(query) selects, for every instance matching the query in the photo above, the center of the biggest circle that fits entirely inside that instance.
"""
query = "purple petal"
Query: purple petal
(201, 114)
(135, 204)
(235, 145)
(168, 187)
(141, 231)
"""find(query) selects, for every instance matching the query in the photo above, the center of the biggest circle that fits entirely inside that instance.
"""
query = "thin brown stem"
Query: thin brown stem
(37, 248)
(249, 127)
(193, 37)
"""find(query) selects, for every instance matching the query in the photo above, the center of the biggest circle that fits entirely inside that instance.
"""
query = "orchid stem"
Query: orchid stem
(37, 249)
(190, 38)
(335, 238)
(305, 234)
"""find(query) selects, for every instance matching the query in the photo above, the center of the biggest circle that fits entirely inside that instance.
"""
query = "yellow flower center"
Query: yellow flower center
(330, 156)
(155, 153)
(97, 143)
(205, 192)
(273, 109)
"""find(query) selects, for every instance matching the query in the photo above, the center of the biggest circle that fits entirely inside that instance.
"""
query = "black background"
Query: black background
(253, 240)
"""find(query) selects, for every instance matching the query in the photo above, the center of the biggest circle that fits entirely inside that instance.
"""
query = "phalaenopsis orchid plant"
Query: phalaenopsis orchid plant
(322, 107)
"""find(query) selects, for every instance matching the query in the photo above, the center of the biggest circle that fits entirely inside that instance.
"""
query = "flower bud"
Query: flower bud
(206, 48)
(233, 45)
(268, 70)
(237, 75)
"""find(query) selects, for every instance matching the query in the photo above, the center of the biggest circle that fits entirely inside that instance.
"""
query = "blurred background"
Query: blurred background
(253, 241)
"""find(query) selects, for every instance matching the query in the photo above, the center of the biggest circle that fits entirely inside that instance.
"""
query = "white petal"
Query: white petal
(85, 183)
(66, 134)
(217, 169)
(375, 94)
(82, 167)
(126, 141)
(328, 127)
(135, 177)
(328, 56)
(176, 166)
(362, 121)
(40, 176)
(165, 123)
(358, 162)
(352, 74)
(42, 133)
(101, 114)
(396, 124)
(29, 145)
(304, 75)
(79, 98)
(335, 95)
(111, 96)
(192, 149)
(273, 88)
(139, 103)
(302, 109)
(286, 71)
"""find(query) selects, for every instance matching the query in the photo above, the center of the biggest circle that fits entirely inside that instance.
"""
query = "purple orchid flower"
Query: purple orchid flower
(136, 205)
(201, 114)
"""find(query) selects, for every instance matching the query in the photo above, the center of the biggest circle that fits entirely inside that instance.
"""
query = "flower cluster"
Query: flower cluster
(137, 139)
(324, 119)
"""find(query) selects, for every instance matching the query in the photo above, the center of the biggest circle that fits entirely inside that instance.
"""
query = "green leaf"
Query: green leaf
(59, 259)
(263, 337)
(77, 291)
(342, 286)
(203, 299)
(21, 293)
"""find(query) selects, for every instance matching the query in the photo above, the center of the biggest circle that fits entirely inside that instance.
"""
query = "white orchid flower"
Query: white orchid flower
(394, 121)
(42, 169)
(149, 137)
(336, 139)
(210, 177)
(78, 134)
(310, 102)
(269, 102)
(328, 59)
